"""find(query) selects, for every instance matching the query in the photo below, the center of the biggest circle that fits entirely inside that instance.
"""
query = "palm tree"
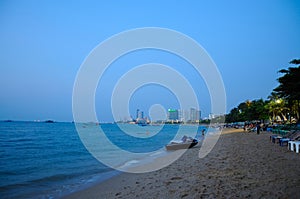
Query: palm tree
(277, 107)
(289, 86)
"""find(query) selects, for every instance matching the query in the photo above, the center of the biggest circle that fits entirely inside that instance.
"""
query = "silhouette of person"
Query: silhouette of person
(258, 128)
(203, 132)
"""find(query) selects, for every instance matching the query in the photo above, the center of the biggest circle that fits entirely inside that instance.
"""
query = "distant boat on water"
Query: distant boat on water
(144, 124)
(49, 121)
(7, 121)
(141, 122)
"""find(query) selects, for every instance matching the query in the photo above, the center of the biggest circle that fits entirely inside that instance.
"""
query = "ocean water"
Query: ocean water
(49, 160)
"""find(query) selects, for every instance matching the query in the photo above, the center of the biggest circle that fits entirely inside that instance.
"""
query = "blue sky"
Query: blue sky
(43, 44)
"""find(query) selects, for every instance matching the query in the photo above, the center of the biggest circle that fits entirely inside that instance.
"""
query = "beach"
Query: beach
(241, 165)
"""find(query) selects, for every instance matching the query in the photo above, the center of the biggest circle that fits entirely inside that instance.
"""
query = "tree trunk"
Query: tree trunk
(283, 117)
(298, 112)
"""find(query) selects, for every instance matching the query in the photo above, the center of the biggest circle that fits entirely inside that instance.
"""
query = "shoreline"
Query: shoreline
(241, 164)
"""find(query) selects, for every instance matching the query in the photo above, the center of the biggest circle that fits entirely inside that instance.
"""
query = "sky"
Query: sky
(44, 43)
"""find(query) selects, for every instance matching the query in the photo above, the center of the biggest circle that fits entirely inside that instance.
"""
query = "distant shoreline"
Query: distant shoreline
(98, 123)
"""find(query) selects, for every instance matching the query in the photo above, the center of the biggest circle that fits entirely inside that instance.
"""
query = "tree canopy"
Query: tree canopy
(284, 101)
(248, 111)
(289, 87)
(289, 83)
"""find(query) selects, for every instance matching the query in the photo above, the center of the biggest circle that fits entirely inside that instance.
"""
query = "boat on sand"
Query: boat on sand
(184, 143)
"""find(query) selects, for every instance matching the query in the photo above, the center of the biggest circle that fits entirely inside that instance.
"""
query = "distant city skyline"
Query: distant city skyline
(192, 115)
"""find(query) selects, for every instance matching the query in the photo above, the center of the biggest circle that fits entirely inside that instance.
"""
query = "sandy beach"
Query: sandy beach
(241, 165)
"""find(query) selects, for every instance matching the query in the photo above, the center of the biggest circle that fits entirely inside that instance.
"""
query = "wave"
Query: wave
(156, 153)
(53, 186)
(16, 140)
(130, 163)
(53, 178)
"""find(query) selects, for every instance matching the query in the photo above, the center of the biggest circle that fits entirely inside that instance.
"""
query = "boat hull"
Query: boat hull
(177, 146)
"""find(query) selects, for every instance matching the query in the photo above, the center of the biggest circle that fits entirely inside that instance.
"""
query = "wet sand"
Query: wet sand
(241, 165)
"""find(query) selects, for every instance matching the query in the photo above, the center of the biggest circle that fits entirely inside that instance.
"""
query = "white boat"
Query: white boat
(184, 143)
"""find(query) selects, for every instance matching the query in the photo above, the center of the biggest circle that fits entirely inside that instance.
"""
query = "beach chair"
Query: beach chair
(269, 129)
(297, 146)
(283, 139)
(294, 146)
(292, 136)
(277, 139)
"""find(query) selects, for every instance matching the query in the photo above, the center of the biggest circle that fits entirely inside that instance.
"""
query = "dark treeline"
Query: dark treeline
(283, 104)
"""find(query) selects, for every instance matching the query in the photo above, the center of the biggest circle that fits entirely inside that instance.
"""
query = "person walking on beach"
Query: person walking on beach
(203, 132)
(258, 128)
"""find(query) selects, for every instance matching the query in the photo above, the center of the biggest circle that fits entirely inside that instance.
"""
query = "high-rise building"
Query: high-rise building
(141, 115)
(198, 115)
(195, 115)
(192, 114)
(137, 113)
(181, 115)
(172, 114)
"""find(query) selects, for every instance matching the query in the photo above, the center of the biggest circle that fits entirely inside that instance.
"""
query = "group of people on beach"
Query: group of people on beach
(255, 127)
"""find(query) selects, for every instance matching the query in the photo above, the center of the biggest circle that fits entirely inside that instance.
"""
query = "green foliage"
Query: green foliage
(206, 121)
(218, 119)
(284, 101)
(289, 88)
(248, 111)
(289, 83)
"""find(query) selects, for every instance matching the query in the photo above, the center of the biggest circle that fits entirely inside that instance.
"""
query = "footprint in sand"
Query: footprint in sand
(176, 178)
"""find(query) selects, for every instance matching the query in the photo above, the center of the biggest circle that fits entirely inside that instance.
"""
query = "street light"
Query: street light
(278, 101)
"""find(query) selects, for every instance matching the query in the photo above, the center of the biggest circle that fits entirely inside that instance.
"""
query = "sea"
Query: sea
(50, 160)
